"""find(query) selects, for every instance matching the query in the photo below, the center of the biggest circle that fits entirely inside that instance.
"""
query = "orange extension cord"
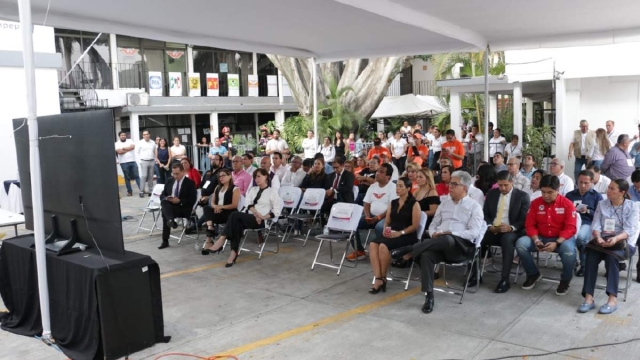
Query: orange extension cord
(214, 357)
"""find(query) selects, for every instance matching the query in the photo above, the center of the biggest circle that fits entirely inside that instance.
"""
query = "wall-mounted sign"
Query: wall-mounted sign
(213, 84)
(224, 67)
(155, 83)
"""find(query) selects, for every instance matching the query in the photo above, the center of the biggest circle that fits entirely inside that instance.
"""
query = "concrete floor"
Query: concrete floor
(277, 308)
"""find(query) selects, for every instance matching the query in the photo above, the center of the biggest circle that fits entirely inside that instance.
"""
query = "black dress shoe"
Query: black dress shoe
(163, 245)
(400, 252)
(473, 280)
(503, 287)
(580, 271)
(172, 224)
(427, 308)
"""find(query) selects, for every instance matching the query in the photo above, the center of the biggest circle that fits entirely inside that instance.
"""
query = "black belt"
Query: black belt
(148, 159)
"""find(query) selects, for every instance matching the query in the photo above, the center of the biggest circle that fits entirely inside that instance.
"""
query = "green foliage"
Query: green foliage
(505, 119)
(334, 116)
(246, 142)
(295, 130)
(394, 125)
(537, 142)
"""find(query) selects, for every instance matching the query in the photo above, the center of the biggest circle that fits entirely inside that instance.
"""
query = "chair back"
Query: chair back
(578, 223)
(345, 217)
(423, 224)
(483, 230)
(356, 190)
(290, 196)
(195, 206)
(241, 203)
(312, 199)
(155, 194)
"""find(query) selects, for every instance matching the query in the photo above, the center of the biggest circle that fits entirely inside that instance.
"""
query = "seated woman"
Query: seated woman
(316, 178)
(534, 187)
(222, 203)
(486, 178)
(263, 203)
(191, 172)
(445, 175)
(612, 229)
(411, 173)
(401, 224)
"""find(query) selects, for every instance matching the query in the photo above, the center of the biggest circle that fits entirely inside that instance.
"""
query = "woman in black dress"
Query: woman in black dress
(339, 145)
(400, 226)
(222, 203)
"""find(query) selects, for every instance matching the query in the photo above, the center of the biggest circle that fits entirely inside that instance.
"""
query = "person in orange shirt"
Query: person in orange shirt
(453, 149)
(423, 151)
(378, 149)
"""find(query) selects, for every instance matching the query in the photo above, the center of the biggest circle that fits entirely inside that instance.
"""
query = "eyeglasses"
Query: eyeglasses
(512, 164)
(222, 175)
(554, 164)
(236, 161)
(454, 184)
(296, 162)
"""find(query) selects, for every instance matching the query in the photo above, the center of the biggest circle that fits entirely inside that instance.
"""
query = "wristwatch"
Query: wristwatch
(557, 243)
(402, 232)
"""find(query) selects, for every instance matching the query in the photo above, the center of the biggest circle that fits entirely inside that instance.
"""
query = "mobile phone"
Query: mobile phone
(540, 245)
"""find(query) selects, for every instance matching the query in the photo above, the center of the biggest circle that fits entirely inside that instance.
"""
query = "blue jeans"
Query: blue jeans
(157, 172)
(130, 172)
(579, 162)
(430, 161)
(567, 251)
(583, 237)
(363, 225)
(597, 162)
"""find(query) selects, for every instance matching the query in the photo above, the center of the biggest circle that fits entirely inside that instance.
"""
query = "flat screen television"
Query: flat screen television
(78, 162)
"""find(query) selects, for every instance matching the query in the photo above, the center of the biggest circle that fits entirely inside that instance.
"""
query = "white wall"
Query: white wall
(422, 70)
(13, 103)
(116, 98)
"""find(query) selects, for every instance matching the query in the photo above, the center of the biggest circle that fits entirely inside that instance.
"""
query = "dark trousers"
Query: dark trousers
(592, 262)
(436, 158)
(429, 253)
(237, 223)
(400, 163)
(216, 218)
(169, 212)
(507, 242)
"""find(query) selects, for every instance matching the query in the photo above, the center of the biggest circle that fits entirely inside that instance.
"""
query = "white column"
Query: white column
(493, 111)
(455, 109)
(528, 104)
(134, 126)
(113, 53)
(255, 64)
(280, 95)
(190, 59)
(118, 128)
(213, 126)
(517, 110)
(280, 119)
(194, 136)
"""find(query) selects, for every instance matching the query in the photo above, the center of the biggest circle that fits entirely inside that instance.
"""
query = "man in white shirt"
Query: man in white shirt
(612, 134)
(456, 225)
(146, 150)
(520, 182)
(309, 145)
(247, 163)
(277, 144)
(127, 161)
(278, 167)
(600, 182)
(430, 140)
(556, 167)
(386, 160)
(295, 174)
(473, 143)
(376, 202)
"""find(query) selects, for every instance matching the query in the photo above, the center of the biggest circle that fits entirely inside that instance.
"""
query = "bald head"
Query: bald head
(265, 163)
(557, 167)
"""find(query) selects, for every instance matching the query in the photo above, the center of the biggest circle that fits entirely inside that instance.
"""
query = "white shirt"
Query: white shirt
(505, 212)
(476, 147)
(146, 150)
(476, 194)
(280, 172)
(496, 145)
(269, 201)
(276, 145)
(596, 153)
(129, 156)
(396, 173)
(513, 151)
(464, 219)
(566, 184)
(293, 179)
(437, 143)
(275, 183)
(406, 129)
(583, 147)
(329, 153)
(380, 197)
(521, 182)
(536, 194)
(179, 150)
(175, 184)
(398, 146)
(309, 146)
(602, 185)
(613, 137)
(249, 170)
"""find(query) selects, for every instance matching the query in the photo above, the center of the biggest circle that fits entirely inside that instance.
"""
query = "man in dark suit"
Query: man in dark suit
(505, 211)
(177, 200)
(340, 185)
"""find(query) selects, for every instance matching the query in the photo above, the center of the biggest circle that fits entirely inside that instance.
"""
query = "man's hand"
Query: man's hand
(609, 242)
(550, 247)
(174, 200)
(371, 220)
(504, 228)
(328, 193)
(569, 156)
(494, 229)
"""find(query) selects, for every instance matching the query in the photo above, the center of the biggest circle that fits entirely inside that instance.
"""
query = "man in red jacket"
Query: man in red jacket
(550, 227)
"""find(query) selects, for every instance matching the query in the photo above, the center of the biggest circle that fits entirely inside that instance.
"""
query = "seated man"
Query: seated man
(505, 209)
(376, 202)
(366, 178)
(455, 227)
(294, 175)
(600, 181)
(550, 227)
(586, 200)
(177, 200)
(498, 162)
(340, 184)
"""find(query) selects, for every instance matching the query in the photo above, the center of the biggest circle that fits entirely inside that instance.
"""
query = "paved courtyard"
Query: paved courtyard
(278, 308)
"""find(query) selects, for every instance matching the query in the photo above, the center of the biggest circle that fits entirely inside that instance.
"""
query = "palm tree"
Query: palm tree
(333, 115)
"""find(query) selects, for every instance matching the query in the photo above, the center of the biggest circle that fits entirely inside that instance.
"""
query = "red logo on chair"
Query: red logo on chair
(288, 202)
(310, 203)
(379, 196)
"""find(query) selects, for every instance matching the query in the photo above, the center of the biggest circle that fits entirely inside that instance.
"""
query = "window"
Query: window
(93, 70)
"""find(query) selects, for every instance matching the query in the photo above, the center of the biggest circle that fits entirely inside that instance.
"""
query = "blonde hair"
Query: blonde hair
(602, 140)
(429, 175)
(413, 166)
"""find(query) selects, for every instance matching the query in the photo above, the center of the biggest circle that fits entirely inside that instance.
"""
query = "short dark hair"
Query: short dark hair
(122, 132)
(307, 162)
(177, 166)
(504, 175)
(388, 168)
(539, 171)
(339, 159)
(515, 136)
(318, 156)
(550, 181)
(588, 173)
(278, 154)
(376, 159)
(593, 167)
(219, 157)
(450, 132)
(621, 139)
(498, 153)
(377, 141)
(490, 124)
(248, 155)
(274, 131)
(635, 176)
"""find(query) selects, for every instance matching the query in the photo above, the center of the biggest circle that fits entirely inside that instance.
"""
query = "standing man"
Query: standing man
(309, 145)
(219, 149)
(615, 165)
(429, 141)
(127, 161)
(520, 182)
(453, 149)
(505, 209)
(550, 227)
(586, 200)
(474, 142)
(580, 147)
(240, 177)
(566, 183)
(177, 200)
(612, 134)
(146, 150)
(277, 144)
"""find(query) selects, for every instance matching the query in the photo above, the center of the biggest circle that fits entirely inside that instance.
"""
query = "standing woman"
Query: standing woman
(191, 172)
(263, 203)
(400, 226)
(599, 149)
(496, 144)
(178, 151)
(163, 161)
(436, 146)
(327, 150)
(339, 145)
(351, 143)
(399, 147)
(222, 203)
(383, 138)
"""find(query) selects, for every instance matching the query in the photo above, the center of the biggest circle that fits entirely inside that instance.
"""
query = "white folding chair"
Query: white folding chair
(266, 231)
(312, 201)
(356, 191)
(405, 280)
(344, 218)
(291, 199)
(473, 261)
(185, 221)
(153, 207)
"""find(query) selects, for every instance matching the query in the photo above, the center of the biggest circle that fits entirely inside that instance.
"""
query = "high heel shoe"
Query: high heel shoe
(382, 287)
(228, 265)
(211, 251)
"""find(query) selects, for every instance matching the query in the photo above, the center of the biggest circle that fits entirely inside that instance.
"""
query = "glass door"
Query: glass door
(154, 61)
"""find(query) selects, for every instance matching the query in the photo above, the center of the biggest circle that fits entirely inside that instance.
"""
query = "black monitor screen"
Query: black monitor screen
(80, 166)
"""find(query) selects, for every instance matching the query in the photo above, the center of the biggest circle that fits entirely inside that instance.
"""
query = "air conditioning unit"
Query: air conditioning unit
(138, 99)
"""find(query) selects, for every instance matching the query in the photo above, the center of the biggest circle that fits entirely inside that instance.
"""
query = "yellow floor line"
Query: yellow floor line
(341, 317)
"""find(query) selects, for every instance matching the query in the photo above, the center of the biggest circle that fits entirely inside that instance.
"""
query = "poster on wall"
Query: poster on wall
(272, 85)
(286, 90)
(224, 67)
(213, 85)
(155, 83)
(175, 84)
(234, 84)
(194, 84)
(253, 85)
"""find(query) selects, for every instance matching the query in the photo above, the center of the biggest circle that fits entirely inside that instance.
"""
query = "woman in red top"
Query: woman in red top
(191, 172)
(445, 175)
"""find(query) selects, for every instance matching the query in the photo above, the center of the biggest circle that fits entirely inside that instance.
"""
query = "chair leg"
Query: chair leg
(315, 259)
(406, 285)
(344, 255)
(313, 222)
(141, 220)
(366, 241)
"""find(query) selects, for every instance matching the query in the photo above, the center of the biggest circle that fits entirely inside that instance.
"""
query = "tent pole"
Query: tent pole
(26, 27)
(314, 87)
(486, 104)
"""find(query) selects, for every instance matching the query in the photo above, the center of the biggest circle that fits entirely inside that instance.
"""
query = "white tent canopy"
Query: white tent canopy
(407, 106)
(338, 29)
